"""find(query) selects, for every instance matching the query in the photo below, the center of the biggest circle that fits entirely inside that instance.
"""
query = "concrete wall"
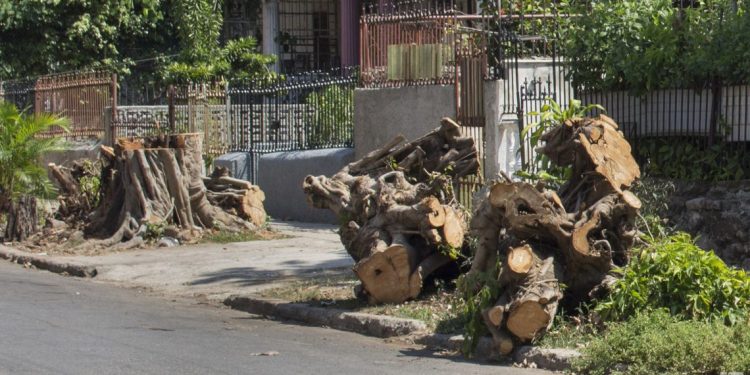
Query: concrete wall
(280, 175)
(239, 164)
(381, 114)
(73, 150)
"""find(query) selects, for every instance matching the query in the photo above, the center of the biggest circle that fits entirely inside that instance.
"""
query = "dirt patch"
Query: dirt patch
(435, 307)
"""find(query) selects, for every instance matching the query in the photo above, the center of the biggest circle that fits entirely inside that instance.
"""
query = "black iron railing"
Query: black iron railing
(308, 111)
(313, 110)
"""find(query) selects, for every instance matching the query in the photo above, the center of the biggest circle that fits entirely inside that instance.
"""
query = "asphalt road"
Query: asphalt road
(50, 324)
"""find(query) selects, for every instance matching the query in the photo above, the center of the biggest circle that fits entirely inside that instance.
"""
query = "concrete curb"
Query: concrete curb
(368, 324)
(388, 327)
(44, 263)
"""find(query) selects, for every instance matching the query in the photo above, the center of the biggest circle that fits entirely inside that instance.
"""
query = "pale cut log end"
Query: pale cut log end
(449, 129)
(528, 319)
(500, 192)
(386, 275)
(453, 229)
(504, 346)
(631, 199)
(495, 315)
(501, 340)
(520, 259)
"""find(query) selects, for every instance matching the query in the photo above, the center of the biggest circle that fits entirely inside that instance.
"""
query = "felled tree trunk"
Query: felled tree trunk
(574, 236)
(22, 219)
(400, 219)
(158, 181)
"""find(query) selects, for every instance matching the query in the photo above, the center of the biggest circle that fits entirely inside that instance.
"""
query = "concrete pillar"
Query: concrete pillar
(349, 36)
(271, 30)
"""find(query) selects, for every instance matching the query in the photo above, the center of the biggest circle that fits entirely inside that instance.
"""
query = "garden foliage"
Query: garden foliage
(330, 118)
(643, 45)
(658, 343)
(21, 150)
(675, 274)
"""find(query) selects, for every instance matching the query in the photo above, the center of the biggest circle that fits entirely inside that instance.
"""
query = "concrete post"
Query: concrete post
(271, 30)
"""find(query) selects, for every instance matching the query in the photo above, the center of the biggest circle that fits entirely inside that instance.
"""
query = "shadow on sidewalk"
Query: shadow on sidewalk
(250, 276)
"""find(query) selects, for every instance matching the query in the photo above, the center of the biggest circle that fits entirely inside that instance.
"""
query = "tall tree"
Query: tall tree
(43, 36)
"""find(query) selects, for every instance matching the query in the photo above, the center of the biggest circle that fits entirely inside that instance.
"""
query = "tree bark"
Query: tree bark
(22, 219)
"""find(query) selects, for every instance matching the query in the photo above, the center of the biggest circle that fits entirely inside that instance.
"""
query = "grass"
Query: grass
(568, 332)
(657, 343)
(223, 236)
(435, 308)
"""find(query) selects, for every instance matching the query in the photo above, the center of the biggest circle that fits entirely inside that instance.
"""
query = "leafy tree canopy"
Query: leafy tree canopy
(180, 36)
(642, 45)
(43, 36)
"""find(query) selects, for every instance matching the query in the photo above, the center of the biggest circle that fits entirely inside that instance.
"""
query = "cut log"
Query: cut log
(386, 275)
(534, 299)
(398, 211)
(239, 197)
(453, 229)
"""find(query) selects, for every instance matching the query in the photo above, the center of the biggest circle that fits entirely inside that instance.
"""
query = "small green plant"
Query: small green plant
(90, 182)
(675, 274)
(654, 193)
(450, 251)
(477, 292)
(392, 163)
(154, 231)
(658, 343)
(572, 331)
(227, 237)
(551, 115)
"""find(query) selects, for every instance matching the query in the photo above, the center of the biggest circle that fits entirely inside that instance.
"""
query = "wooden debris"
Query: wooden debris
(574, 236)
(398, 212)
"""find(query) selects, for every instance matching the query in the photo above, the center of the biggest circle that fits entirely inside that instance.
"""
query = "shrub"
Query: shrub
(644, 45)
(331, 116)
(691, 159)
(675, 274)
(658, 343)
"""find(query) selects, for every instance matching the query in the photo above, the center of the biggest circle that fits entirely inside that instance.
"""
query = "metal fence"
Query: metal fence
(308, 111)
(710, 121)
(79, 96)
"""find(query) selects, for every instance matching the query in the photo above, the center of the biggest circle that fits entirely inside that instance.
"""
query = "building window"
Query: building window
(308, 35)
(241, 18)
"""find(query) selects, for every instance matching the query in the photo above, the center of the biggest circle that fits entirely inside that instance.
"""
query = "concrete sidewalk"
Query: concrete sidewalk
(215, 271)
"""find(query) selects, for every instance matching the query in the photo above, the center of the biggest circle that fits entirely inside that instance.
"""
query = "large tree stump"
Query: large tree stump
(574, 236)
(400, 221)
(157, 181)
